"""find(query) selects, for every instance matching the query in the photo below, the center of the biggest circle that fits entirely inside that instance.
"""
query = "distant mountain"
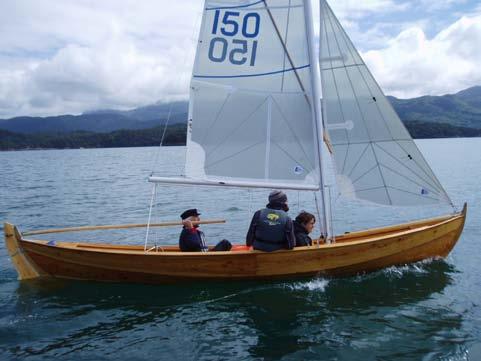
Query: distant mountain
(462, 109)
(175, 135)
(101, 121)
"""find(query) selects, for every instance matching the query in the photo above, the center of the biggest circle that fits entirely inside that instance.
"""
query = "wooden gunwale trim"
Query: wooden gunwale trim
(314, 248)
(400, 227)
(328, 268)
(117, 226)
(452, 235)
(387, 260)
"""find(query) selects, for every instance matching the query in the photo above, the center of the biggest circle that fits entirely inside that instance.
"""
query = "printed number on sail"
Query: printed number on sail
(238, 50)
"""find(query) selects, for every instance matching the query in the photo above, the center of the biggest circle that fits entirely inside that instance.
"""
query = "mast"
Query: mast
(316, 107)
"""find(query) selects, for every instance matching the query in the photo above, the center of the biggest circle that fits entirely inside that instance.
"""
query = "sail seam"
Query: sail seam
(356, 56)
(233, 155)
(341, 66)
(375, 101)
(360, 109)
(365, 173)
(252, 75)
(345, 157)
(363, 190)
(238, 127)
(415, 194)
(358, 160)
(336, 88)
(394, 188)
(236, 6)
(268, 138)
(242, 7)
(289, 155)
(423, 186)
(285, 40)
(286, 52)
(348, 136)
(216, 118)
(377, 141)
(437, 184)
(347, 39)
(292, 131)
(409, 169)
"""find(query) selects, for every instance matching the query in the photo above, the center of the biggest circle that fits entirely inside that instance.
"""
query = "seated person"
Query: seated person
(271, 228)
(192, 239)
(303, 225)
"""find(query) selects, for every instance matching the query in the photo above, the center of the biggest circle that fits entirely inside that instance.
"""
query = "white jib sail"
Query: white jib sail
(250, 116)
(375, 157)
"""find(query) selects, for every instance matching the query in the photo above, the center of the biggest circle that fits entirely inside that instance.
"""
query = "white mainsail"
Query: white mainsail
(250, 114)
(375, 157)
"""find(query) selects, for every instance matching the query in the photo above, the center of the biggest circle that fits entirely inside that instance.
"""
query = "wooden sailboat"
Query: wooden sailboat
(353, 253)
(253, 104)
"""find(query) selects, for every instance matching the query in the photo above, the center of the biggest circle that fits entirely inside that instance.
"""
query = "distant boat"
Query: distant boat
(256, 121)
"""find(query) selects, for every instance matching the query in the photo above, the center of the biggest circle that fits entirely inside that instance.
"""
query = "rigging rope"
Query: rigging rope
(318, 217)
(181, 80)
(159, 148)
(152, 200)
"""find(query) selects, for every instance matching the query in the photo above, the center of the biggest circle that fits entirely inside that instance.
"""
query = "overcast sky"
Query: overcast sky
(71, 56)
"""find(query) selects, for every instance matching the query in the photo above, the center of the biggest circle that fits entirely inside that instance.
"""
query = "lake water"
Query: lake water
(426, 311)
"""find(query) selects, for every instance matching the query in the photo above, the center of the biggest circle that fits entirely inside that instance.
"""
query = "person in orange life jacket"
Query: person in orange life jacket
(303, 225)
(192, 239)
(271, 228)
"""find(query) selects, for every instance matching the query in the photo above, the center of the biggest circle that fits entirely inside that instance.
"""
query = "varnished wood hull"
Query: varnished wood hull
(353, 253)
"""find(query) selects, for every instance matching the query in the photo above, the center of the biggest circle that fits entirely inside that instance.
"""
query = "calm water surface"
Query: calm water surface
(427, 311)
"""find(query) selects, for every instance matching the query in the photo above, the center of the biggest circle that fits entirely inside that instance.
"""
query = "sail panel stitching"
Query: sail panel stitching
(285, 40)
(289, 155)
(359, 108)
(406, 167)
(233, 155)
(431, 177)
(423, 186)
(216, 118)
(335, 82)
(345, 158)
(253, 75)
(235, 6)
(365, 173)
(292, 131)
(358, 160)
(238, 127)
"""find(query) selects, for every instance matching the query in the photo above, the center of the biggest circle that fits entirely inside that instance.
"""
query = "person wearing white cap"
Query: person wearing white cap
(271, 228)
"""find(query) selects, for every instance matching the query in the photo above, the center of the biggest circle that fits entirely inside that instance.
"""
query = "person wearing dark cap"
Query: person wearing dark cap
(192, 239)
(271, 228)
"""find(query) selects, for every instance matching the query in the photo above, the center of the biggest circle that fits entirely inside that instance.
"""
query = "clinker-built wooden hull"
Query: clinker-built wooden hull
(352, 253)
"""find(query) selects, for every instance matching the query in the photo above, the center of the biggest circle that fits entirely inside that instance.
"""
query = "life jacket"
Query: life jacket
(271, 226)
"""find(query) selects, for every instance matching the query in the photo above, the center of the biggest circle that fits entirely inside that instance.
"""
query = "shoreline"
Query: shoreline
(167, 145)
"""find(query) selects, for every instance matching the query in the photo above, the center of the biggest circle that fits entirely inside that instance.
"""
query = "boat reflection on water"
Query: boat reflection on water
(261, 320)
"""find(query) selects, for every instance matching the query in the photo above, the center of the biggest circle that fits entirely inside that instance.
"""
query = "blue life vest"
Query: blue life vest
(271, 226)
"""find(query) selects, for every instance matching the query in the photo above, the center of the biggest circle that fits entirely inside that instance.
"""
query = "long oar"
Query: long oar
(120, 226)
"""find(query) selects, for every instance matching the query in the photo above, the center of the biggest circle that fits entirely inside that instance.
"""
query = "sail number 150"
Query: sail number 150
(243, 48)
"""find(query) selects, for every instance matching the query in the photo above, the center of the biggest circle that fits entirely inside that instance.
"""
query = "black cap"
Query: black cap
(189, 213)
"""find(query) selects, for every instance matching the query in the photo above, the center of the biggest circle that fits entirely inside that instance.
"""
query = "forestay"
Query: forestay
(250, 116)
(376, 158)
